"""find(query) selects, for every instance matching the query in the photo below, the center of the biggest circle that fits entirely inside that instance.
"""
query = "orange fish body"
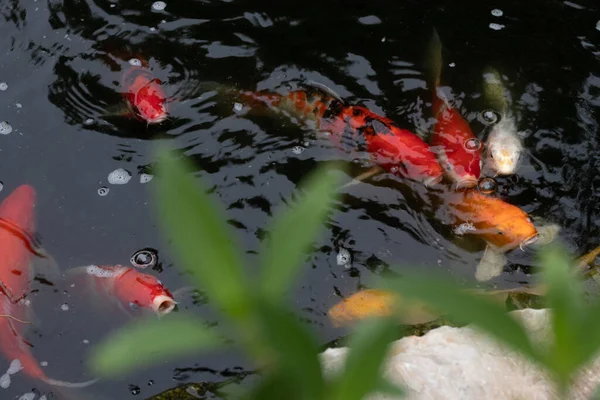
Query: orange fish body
(130, 287)
(145, 95)
(395, 149)
(497, 222)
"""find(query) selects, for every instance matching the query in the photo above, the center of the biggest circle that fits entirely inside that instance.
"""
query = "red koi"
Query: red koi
(458, 150)
(128, 286)
(15, 274)
(394, 149)
(144, 94)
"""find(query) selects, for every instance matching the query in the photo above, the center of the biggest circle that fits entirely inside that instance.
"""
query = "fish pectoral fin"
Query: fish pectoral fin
(46, 266)
(118, 110)
(376, 170)
(491, 265)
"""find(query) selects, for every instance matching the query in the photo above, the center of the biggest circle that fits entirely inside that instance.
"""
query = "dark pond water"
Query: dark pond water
(62, 62)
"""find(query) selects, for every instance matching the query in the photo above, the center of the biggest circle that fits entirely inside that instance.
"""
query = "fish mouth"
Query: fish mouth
(529, 241)
(163, 305)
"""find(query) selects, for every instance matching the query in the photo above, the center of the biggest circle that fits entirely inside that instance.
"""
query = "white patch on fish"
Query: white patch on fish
(100, 272)
(504, 147)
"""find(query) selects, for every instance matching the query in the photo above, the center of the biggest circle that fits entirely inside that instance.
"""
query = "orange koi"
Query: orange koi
(17, 212)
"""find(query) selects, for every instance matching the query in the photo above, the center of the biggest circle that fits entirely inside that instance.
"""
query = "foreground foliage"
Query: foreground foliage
(259, 319)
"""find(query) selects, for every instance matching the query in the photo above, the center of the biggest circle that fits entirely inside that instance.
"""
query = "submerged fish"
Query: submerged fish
(392, 148)
(16, 258)
(144, 94)
(129, 287)
(458, 150)
(504, 147)
(501, 225)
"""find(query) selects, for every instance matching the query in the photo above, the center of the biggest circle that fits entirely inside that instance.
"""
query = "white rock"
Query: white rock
(463, 363)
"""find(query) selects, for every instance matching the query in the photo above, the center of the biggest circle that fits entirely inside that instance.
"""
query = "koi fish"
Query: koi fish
(144, 94)
(17, 214)
(504, 147)
(458, 150)
(394, 149)
(128, 286)
(501, 225)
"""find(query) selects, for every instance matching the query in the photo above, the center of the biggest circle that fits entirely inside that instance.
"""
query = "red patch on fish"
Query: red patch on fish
(145, 95)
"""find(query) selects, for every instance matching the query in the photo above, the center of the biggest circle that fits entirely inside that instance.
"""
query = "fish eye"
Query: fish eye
(500, 233)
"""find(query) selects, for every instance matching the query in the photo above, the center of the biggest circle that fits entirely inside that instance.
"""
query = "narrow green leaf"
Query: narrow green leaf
(200, 236)
(292, 232)
(294, 350)
(386, 387)
(363, 366)
(564, 298)
(149, 340)
(449, 298)
(589, 343)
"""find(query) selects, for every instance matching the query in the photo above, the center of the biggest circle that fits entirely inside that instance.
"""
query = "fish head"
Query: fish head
(150, 102)
(511, 228)
(504, 159)
(142, 290)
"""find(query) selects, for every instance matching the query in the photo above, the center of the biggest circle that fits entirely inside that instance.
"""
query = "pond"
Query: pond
(61, 68)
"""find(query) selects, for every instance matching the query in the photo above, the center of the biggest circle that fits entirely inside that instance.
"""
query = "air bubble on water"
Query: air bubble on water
(27, 396)
(5, 128)
(64, 307)
(5, 381)
(43, 397)
(298, 150)
(1, 186)
(343, 257)
(452, 65)
(150, 382)
(598, 25)
(14, 367)
(144, 258)
(44, 363)
(89, 121)
(497, 13)
(487, 185)
(3, 86)
(489, 117)
(238, 107)
(159, 5)
(103, 191)
(119, 176)
(19, 105)
(135, 62)
(145, 178)
(496, 27)
(135, 390)
(86, 341)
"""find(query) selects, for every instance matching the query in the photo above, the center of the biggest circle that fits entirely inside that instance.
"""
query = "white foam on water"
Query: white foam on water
(343, 257)
(452, 65)
(496, 27)
(3, 86)
(238, 107)
(598, 25)
(497, 12)
(14, 367)
(89, 121)
(27, 396)
(119, 176)
(86, 341)
(298, 150)
(145, 178)
(64, 307)
(159, 5)
(44, 363)
(5, 128)
(5, 381)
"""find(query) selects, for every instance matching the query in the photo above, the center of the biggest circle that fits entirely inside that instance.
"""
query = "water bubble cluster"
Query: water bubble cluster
(298, 150)
(238, 107)
(64, 307)
(145, 178)
(5, 128)
(472, 144)
(487, 185)
(343, 257)
(159, 5)
(496, 27)
(135, 62)
(103, 191)
(119, 176)
(144, 258)
(497, 13)
(27, 396)
(3, 86)
(14, 367)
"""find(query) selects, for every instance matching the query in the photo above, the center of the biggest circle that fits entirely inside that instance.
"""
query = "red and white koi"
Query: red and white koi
(144, 93)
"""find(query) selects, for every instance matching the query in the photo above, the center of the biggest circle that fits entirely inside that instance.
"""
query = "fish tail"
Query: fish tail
(494, 91)
(433, 61)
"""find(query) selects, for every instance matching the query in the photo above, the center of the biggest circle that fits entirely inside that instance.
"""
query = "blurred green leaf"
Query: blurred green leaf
(363, 366)
(150, 340)
(465, 307)
(564, 297)
(292, 232)
(200, 237)
(386, 387)
(294, 348)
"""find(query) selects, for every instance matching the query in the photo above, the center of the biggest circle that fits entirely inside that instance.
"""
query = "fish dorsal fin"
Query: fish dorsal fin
(491, 265)
(495, 93)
